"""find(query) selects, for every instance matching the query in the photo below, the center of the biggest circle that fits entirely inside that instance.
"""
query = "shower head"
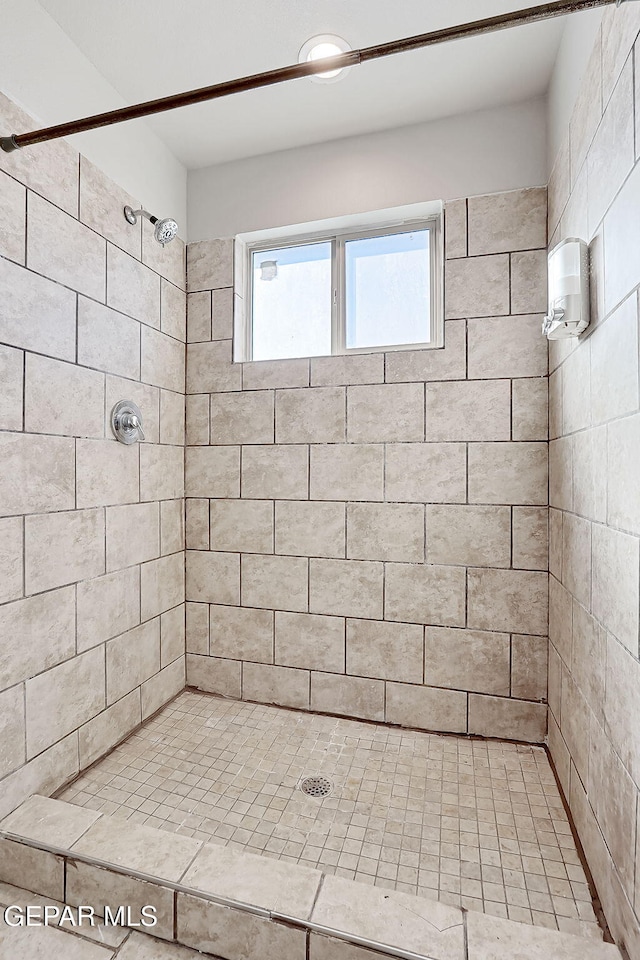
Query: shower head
(165, 230)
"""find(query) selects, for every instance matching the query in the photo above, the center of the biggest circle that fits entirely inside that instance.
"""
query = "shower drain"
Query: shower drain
(316, 786)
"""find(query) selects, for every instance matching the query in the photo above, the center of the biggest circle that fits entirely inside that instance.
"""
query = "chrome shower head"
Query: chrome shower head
(165, 230)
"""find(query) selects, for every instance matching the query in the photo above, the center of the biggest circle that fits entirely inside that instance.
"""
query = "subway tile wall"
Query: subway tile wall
(594, 670)
(92, 311)
(367, 535)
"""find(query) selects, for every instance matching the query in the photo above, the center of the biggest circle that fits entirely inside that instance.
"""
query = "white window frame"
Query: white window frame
(338, 238)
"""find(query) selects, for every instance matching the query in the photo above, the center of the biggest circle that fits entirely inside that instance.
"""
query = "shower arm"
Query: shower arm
(516, 18)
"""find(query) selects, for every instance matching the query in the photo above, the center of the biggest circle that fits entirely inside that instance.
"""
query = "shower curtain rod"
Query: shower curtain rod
(516, 18)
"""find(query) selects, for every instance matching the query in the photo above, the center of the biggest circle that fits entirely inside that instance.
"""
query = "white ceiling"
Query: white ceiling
(153, 48)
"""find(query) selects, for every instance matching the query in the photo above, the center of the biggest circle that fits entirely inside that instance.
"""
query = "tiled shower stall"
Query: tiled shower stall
(411, 573)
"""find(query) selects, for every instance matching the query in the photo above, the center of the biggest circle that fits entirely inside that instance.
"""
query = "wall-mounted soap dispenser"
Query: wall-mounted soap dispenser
(568, 290)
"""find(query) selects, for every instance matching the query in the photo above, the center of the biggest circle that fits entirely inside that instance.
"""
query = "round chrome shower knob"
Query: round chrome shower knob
(126, 422)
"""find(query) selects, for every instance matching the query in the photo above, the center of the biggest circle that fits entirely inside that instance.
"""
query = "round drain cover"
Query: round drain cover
(316, 786)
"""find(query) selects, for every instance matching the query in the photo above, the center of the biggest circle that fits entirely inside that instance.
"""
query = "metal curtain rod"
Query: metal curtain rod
(517, 18)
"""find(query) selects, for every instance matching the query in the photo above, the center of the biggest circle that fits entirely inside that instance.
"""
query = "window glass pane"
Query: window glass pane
(292, 301)
(388, 290)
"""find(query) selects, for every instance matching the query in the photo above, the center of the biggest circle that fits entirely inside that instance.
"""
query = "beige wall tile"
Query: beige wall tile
(132, 658)
(51, 170)
(64, 697)
(477, 287)
(11, 377)
(213, 472)
(235, 930)
(530, 409)
(468, 410)
(346, 588)
(588, 658)
(508, 473)
(347, 696)
(587, 110)
(108, 340)
(310, 415)
(506, 347)
(209, 264)
(99, 735)
(210, 368)
(38, 473)
(455, 228)
(62, 398)
(107, 473)
(275, 582)
(161, 472)
(162, 687)
(197, 627)
(101, 208)
(63, 548)
(242, 418)
(77, 259)
(275, 472)
(213, 577)
(199, 314)
(172, 418)
(223, 677)
(46, 625)
(359, 368)
(242, 526)
(425, 594)
(37, 314)
(529, 667)
(445, 363)
(502, 222)
(576, 557)
(310, 641)
(529, 283)
(132, 288)
(615, 586)
(576, 412)
(37, 868)
(171, 526)
(197, 524)
(239, 633)
(161, 585)
(268, 374)
(307, 528)
(614, 364)
(389, 412)
(197, 419)
(107, 607)
(163, 360)
(11, 559)
(147, 398)
(622, 243)
(509, 600)
(173, 310)
(468, 535)
(622, 702)
(347, 472)
(12, 730)
(516, 719)
(560, 604)
(172, 635)
(123, 550)
(560, 473)
(467, 660)
(168, 260)
(431, 473)
(611, 155)
(13, 199)
(426, 708)
(575, 725)
(385, 532)
(530, 538)
(623, 509)
(387, 651)
(270, 684)
(222, 316)
(45, 773)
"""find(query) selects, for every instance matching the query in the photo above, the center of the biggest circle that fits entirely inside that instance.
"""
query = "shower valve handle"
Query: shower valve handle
(131, 422)
(126, 422)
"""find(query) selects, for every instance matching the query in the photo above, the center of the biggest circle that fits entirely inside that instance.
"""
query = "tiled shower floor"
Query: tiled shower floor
(474, 823)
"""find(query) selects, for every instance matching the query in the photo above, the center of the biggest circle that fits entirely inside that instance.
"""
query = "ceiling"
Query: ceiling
(153, 48)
